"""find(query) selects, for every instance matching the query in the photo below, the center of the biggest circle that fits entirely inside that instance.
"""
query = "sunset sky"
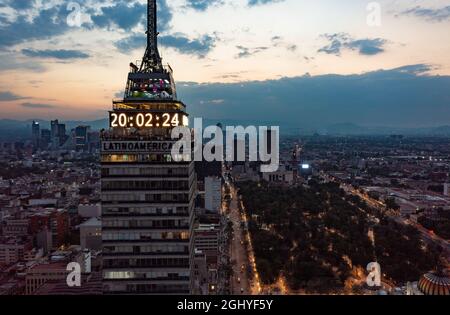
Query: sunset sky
(53, 67)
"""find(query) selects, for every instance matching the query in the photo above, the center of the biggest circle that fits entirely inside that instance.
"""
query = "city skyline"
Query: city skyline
(339, 183)
(333, 62)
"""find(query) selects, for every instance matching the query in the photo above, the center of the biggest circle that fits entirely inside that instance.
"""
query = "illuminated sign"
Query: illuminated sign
(147, 120)
(137, 146)
(305, 166)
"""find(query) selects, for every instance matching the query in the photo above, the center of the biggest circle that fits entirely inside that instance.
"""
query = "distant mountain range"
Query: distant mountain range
(354, 129)
(13, 130)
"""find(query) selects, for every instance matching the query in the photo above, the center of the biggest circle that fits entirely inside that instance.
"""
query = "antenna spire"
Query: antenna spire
(151, 81)
(152, 60)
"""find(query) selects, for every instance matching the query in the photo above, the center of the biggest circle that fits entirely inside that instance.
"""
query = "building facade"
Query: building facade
(213, 194)
(91, 234)
(147, 196)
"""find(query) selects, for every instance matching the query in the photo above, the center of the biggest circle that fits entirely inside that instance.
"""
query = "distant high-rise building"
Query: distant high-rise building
(58, 134)
(54, 128)
(61, 130)
(46, 137)
(93, 141)
(81, 138)
(35, 132)
(213, 194)
(62, 134)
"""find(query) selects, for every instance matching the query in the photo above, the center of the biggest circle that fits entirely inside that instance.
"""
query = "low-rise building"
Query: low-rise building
(91, 234)
(206, 256)
(43, 273)
(16, 227)
(89, 211)
(13, 250)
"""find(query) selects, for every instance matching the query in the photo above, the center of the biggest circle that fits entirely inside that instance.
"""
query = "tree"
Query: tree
(391, 204)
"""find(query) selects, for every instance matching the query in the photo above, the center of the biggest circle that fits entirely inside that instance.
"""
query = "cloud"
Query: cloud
(21, 4)
(121, 15)
(202, 5)
(341, 41)
(48, 23)
(126, 16)
(3, 19)
(199, 47)
(214, 102)
(252, 3)
(37, 106)
(292, 47)
(11, 61)
(368, 47)
(51, 22)
(236, 76)
(56, 54)
(436, 15)
(394, 97)
(130, 43)
(418, 69)
(245, 52)
(278, 41)
(9, 96)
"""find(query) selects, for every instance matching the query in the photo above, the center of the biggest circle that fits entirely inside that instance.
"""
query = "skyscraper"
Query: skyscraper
(58, 134)
(54, 128)
(46, 137)
(81, 138)
(213, 194)
(36, 133)
(147, 198)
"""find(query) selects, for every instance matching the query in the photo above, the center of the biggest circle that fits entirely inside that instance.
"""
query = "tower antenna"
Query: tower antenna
(151, 80)
(152, 60)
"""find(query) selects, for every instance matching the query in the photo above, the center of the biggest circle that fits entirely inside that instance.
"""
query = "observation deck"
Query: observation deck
(157, 85)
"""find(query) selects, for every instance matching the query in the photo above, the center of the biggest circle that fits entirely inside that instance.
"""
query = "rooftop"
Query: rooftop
(92, 222)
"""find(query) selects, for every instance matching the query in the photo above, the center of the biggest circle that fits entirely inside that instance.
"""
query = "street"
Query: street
(425, 234)
(238, 252)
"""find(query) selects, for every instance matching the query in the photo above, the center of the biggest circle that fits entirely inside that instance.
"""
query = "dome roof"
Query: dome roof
(433, 284)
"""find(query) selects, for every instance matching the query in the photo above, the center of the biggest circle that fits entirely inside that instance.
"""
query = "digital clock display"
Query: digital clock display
(147, 120)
